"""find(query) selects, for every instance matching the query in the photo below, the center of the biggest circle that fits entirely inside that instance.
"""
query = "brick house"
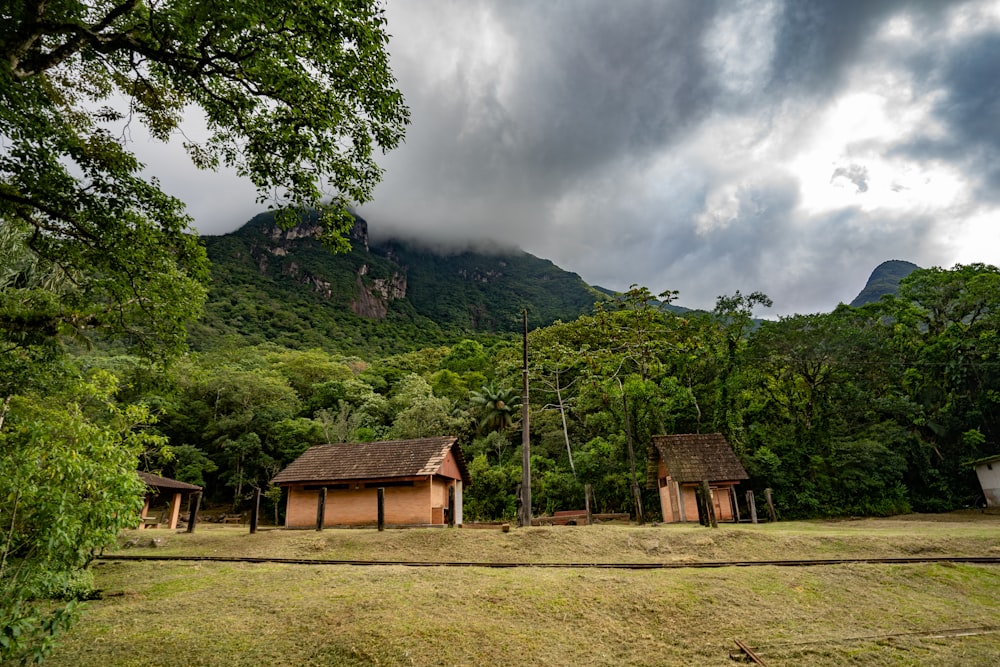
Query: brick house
(678, 465)
(419, 476)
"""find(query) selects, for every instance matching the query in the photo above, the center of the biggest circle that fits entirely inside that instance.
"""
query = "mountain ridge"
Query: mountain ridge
(376, 296)
(883, 280)
(271, 284)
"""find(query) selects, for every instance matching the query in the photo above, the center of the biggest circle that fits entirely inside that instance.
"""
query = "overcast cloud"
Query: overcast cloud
(708, 147)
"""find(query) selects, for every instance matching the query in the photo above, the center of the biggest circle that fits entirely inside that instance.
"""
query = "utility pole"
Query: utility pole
(524, 518)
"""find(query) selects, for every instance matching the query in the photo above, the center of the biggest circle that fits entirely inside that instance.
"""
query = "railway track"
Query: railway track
(978, 560)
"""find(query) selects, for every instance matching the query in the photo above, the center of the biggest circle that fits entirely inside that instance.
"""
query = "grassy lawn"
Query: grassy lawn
(163, 613)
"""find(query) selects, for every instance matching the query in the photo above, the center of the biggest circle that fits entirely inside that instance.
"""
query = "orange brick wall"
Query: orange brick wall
(420, 504)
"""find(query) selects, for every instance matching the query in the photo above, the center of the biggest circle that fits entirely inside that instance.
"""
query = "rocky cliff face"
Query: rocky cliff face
(375, 294)
(275, 249)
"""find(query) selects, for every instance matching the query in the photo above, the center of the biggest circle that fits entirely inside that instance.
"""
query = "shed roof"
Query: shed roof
(166, 483)
(373, 460)
(985, 459)
(696, 457)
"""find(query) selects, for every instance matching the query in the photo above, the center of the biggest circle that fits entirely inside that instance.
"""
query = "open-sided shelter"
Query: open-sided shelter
(681, 462)
(160, 489)
(418, 477)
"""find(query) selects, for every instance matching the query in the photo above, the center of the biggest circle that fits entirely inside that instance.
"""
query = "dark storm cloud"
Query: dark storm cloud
(586, 86)
(818, 40)
(968, 108)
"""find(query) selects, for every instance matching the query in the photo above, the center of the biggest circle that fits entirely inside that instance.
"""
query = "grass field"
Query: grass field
(176, 613)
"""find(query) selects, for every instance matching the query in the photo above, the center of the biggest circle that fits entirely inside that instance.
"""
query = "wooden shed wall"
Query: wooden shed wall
(989, 478)
(722, 499)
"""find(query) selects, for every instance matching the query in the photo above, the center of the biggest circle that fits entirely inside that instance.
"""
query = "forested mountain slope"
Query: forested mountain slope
(285, 286)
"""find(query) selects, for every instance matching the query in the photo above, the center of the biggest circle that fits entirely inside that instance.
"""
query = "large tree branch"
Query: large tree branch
(77, 36)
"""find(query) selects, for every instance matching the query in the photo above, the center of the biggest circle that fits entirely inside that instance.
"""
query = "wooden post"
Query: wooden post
(752, 504)
(381, 508)
(145, 513)
(706, 493)
(321, 509)
(736, 502)
(175, 510)
(586, 502)
(699, 496)
(194, 504)
(770, 505)
(680, 502)
(451, 506)
(524, 516)
(255, 511)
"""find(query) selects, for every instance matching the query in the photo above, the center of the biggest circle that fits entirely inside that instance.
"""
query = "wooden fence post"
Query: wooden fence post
(451, 506)
(321, 509)
(255, 512)
(586, 502)
(752, 504)
(195, 504)
(770, 505)
(736, 502)
(381, 508)
(699, 496)
(706, 493)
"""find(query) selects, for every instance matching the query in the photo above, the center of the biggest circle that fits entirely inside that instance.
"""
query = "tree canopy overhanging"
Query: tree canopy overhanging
(296, 97)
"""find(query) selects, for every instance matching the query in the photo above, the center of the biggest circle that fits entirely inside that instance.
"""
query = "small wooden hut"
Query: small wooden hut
(419, 476)
(988, 471)
(163, 489)
(680, 463)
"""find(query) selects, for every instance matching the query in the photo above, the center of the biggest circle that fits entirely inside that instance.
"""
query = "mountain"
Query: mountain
(285, 286)
(884, 280)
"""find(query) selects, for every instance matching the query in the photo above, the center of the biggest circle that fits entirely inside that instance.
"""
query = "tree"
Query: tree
(494, 408)
(945, 325)
(295, 95)
(67, 488)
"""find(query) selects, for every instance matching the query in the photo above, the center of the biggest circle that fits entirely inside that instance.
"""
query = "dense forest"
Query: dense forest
(862, 411)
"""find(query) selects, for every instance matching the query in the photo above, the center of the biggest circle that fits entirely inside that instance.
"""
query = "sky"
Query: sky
(705, 147)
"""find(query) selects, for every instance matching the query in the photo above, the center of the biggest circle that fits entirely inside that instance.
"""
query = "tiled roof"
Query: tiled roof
(373, 460)
(696, 457)
(166, 482)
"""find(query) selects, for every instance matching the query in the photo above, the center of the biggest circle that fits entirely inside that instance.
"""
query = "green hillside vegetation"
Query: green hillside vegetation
(288, 288)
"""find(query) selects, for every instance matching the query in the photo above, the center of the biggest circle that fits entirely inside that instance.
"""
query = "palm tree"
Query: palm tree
(494, 408)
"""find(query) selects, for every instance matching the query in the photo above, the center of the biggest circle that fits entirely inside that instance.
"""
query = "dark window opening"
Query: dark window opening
(375, 485)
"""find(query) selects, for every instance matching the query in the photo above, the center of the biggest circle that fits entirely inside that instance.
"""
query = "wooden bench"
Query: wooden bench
(149, 522)
(577, 518)
(562, 518)
(232, 518)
